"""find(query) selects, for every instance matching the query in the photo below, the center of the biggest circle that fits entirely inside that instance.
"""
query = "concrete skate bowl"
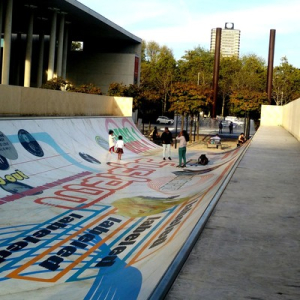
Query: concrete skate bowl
(76, 223)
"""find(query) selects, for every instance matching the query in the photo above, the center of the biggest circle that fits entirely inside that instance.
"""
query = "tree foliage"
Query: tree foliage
(247, 101)
(86, 89)
(196, 66)
(229, 67)
(252, 75)
(286, 83)
(248, 86)
(185, 86)
(158, 71)
(60, 84)
(143, 99)
(189, 98)
(57, 83)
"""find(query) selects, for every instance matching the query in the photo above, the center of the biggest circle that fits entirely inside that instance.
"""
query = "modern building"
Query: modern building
(230, 41)
(37, 38)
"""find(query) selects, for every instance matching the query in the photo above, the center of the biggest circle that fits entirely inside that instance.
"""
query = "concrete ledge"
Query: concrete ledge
(21, 101)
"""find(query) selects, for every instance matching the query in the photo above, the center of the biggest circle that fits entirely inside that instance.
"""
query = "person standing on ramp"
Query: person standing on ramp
(167, 142)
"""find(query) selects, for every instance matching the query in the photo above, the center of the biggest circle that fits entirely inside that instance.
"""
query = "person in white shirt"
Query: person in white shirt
(120, 145)
(111, 141)
(183, 138)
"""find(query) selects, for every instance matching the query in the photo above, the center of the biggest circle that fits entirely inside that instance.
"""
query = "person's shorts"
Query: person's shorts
(120, 150)
(111, 149)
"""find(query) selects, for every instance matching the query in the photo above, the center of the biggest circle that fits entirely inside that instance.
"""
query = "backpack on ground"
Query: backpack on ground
(203, 160)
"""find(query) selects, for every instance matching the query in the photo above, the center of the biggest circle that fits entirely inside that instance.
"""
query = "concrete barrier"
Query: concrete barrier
(286, 116)
(21, 101)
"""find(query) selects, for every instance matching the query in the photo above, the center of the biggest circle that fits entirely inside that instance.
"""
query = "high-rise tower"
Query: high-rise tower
(230, 41)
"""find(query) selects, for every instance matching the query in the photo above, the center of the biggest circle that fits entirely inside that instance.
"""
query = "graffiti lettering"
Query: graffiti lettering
(95, 188)
(13, 177)
(163, 236)
(129, 240)
(52, 263)
(35, 237)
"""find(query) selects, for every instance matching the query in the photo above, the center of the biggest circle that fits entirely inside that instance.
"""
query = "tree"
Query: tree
(143, 99)
(248, 86)
(196, 66)
(189, 99)
(229, 67)
(116, 89)
(167, 86)
(152, 50)
(252, 75)
(248, 101)
(157, 72)
(286, 83)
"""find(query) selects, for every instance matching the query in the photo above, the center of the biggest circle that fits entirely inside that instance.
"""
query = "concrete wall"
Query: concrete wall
(287, 116)
(101, 69)
(291, 118)
(271, 115)
(20, 101)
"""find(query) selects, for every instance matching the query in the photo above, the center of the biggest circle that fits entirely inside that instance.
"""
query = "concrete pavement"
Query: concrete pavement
(250, 247)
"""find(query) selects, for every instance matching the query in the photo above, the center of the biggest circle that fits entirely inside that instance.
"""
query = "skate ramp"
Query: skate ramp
(77, 223)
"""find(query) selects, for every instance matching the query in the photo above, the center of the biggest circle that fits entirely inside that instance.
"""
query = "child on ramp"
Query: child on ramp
(120, 145)
(111, 141)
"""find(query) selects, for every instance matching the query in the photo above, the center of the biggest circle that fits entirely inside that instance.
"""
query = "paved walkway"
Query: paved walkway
(250, 247)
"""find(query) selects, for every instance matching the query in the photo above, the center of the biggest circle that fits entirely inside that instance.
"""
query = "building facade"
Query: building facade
(36, 45)
(230, 41)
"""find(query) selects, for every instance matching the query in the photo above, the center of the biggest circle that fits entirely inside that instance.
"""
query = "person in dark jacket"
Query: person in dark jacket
(230, 127)
(155, 135)
(167, 142)
(220, 127)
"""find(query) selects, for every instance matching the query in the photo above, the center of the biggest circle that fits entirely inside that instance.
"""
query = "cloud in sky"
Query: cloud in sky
(183, 25)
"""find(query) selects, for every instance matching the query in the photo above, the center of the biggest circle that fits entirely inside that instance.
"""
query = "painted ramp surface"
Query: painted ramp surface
(76, 223)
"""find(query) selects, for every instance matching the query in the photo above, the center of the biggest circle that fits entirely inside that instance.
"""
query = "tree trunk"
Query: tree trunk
(191, 128)
(198, 127)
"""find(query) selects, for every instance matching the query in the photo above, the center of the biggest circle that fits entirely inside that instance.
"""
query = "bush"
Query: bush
(87, 89)
(61, 84)
(55, 84)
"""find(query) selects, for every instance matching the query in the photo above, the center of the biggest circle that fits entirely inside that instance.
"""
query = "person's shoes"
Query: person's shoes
(169, 158)
(179, 166)
(164, 158)
(183, 166)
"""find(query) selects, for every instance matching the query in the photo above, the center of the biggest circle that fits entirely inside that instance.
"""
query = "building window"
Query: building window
(77, 46)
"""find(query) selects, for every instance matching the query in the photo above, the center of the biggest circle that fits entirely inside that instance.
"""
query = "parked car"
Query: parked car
(235, 120)
(164, 120)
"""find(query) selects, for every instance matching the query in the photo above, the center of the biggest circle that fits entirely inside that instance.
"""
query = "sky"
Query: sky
(183, 25)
